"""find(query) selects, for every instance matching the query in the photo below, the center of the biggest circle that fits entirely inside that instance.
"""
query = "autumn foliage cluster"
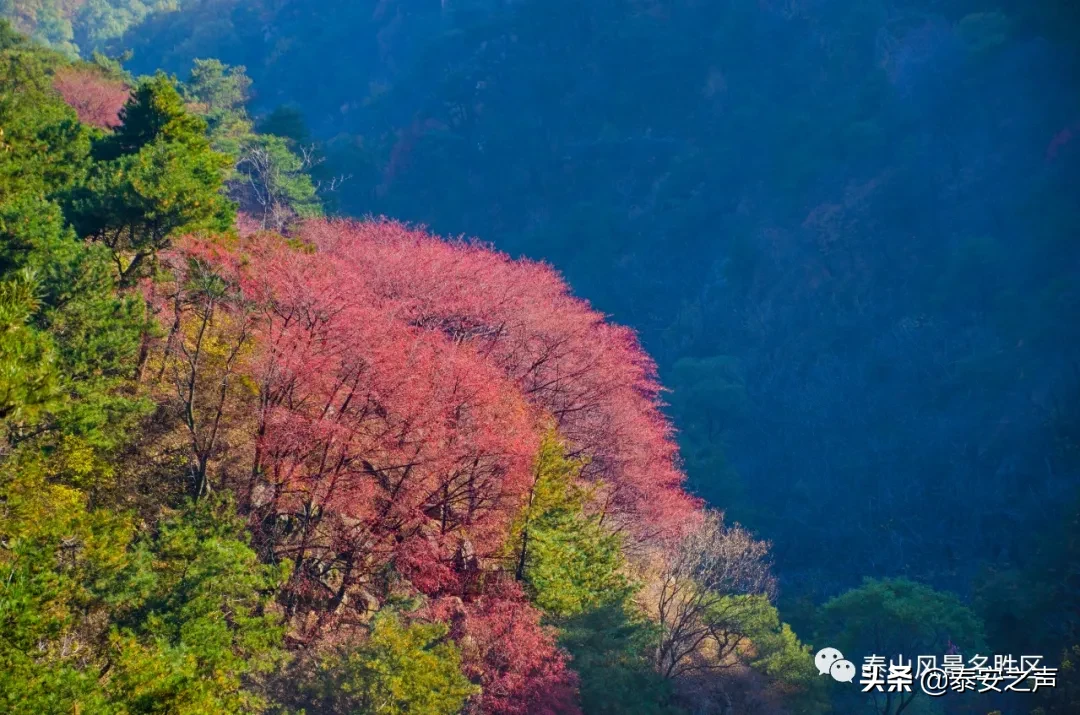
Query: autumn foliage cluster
(96, 99)
(388, 392)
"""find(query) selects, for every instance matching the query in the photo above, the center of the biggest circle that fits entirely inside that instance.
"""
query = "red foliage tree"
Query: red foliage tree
(96, 99)
(397, 386)
(590, 375)
(509, 653)
(376, 441)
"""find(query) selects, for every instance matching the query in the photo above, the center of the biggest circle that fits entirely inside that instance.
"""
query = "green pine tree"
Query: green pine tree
(401, 669)
(156, 177)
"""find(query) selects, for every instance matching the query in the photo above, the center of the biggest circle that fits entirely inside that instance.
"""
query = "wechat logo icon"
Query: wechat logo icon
(831, 661)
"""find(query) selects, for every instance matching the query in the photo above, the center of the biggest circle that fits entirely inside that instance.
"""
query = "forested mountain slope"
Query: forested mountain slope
(846, 231)
(262, 461)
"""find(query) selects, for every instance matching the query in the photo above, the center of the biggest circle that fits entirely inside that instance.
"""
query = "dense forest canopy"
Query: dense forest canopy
(844, 231)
